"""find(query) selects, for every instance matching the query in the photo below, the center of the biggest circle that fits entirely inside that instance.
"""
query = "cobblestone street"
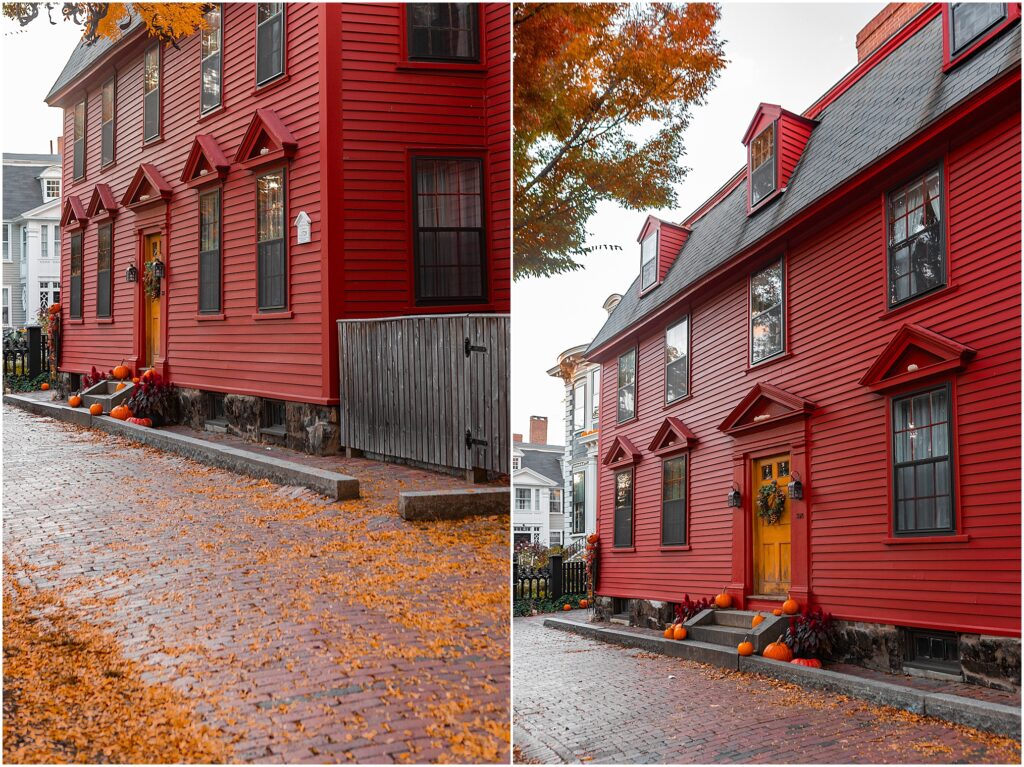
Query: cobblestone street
(302, 629)
(580, 700)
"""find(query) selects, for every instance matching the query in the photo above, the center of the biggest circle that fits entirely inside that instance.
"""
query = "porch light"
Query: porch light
(131, 274)
(158, 269)
(796, 488)
(735, 499)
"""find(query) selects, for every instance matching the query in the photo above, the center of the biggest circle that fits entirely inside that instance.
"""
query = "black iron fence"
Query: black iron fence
(27, 353)
(556, 580)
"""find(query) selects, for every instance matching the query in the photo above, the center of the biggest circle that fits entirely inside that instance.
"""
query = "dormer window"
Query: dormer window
(969, 21)
(51, 188)
(762, 165)
(649, 262)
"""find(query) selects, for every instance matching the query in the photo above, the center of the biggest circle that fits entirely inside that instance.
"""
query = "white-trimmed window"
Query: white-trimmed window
(523, 498)
(516, 462)
(555, 501)
(51, 187)
(595, 397)
(579, 406)
(767, 313)
(579, 501)
(49, 293)
(556, 537)
(649, 261)
(7, 307)
(762, 165)
(24, 244)
(210, 59)
(44, 241)
(677, 360)
(7, 242)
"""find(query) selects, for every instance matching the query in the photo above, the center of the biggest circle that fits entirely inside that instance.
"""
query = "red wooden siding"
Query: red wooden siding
(794, 132)
(670, 240)
(838, 323)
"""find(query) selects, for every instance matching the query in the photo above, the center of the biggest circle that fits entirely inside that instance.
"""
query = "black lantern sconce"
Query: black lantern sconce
(796, 488)
(131, 274)
(158, 269)
(735, 499)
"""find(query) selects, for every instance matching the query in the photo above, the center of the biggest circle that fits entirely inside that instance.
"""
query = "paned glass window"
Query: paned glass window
(923, 463)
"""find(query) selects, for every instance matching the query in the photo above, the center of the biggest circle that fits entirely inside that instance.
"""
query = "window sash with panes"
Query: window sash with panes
(49, 293)
(24, 244)
(269, 42)
(6, 306)
(767, 313)
(762, 165)
(448, 233)
(7, 242)
(151, 94)
(524, 498)
(78, 169)
(595, 397)
(970, 21)
(209, 251)
(52, 188)
(627, 386)
(917, 259)
(649, 261)
(76, 276)
(271, 258)
(443, 32)
(623, 529)
(107, 134)
(673, 502)
(922, 463)
(516, 462)
(579, 502)
(44, 241)
(677, 360)
(579, 406)
(555, 501)
(210, 60)
(104, 283)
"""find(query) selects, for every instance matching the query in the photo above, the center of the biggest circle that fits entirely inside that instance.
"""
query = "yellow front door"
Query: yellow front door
(771, 540)
(152, 253)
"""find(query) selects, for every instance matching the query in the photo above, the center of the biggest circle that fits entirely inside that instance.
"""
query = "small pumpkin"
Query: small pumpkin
(778, 650)
(777, 612)
(679, 632)
(120, 386)
(74, 400)
(756, 621)
(567, 607)
(141, 421)
(668, 632)
(135, 379)
(809, 662)
(593, 538)
(54, 309)
(584, 604)
(45, 387)
(745, 648)
(95, 409)
(791, 606)
(723, 600)
(121, 372)
(121, 413)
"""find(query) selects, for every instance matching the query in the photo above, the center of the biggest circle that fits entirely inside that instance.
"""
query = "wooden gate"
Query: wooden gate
(428, 389)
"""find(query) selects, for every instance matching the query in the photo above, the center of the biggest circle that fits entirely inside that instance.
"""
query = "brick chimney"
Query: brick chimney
(886, 23)
(60, 145)
(517, 437)
(538, 430)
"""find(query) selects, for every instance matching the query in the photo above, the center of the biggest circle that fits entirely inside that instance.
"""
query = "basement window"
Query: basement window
(273, 417)
(216, 415)
(762, 165)
(932, 651)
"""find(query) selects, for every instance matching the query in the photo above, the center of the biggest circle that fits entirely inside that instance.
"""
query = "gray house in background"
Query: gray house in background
(31, 235)
(537, 487)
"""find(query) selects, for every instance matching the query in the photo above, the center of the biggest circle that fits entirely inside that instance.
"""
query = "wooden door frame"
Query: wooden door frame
(144, 230)
(754, 480)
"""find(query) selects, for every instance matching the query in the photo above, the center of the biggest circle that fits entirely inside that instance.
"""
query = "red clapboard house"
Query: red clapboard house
(841, 318)
(292, 165)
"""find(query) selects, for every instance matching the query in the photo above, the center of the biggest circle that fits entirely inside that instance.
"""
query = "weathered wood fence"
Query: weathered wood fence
(429, 389)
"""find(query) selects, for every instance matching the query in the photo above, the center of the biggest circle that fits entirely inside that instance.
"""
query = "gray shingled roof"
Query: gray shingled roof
(22, 190)
(85, 56)
(544, 462)
(899, 97)
(42, 159)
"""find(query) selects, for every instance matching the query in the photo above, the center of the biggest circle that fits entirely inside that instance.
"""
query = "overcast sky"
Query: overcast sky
(32, 58)
(786, 54)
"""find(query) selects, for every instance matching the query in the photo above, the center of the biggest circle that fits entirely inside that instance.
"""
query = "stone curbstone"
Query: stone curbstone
(332, 484)
(991, 717)
(428, 505)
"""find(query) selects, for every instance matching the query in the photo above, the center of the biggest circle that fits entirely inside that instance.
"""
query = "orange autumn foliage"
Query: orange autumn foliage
(168, 22)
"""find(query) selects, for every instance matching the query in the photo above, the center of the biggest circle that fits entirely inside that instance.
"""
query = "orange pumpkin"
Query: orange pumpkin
(593, 538)
(584, 604)
(120, 386)
(679, 632)
(668, 632)
(566, 607)
(141, 421)
(723, 600)
(54, 309)
(95, 409)
(778, 650)
(121, 372)
(121, 413)
(135, 379)
(757, 620)
(777, 612)
(745, 648)
(74, 400)
(809, 662)
(791, 606)
(45, 387)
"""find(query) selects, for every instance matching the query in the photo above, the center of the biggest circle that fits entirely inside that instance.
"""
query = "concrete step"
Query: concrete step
(726, 636)
(622, 619)
(737, 618)
(727, 628)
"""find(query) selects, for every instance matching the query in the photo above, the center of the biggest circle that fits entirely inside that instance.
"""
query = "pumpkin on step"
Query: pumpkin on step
(745, 648)
(74, 401)
(791, 606)
(141, 421)
(809, 662)
(723, 600)
(121, 372)
(778, 650)
(777, 612)
(567, 607)
(121, 413)
(584, 604)
(679, 632)
(119, 386)
(669, 631)
(757, 620)
(95, 409)
(45, 387)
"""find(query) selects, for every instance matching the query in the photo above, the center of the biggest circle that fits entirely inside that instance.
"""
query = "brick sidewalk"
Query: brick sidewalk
(306, 630)
(579, 700)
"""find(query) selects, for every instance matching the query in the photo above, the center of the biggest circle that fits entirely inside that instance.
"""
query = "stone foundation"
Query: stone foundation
(991, 661)
(192, 406)
(872, 645)
(312, 428)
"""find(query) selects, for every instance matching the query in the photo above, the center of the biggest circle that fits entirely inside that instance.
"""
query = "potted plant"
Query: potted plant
(155, 399)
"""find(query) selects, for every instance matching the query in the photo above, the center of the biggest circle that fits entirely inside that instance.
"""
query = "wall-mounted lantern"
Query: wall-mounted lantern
(796, 488)
(735, 499)
(158, 268)
(131, 274)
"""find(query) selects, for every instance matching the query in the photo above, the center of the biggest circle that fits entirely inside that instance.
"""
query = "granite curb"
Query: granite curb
(332, 484)
(430, 505)
(997, 718)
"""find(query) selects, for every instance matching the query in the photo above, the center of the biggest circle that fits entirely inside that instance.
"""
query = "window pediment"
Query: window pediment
(206, 162)
(763, 406)
(266, 140)
(915, 354)
(146, 188)
(73, 216)
(672, 436)
(621, 452)
(102, 203)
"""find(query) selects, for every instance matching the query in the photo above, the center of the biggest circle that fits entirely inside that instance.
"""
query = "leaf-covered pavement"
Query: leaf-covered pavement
(295, 628)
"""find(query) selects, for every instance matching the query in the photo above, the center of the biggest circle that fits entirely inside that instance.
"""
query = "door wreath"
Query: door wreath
(771, 502)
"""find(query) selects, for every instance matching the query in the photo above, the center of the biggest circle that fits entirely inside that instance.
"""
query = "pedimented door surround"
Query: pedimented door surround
(767, 422)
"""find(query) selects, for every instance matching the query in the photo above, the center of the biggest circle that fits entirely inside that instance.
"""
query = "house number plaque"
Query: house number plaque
(302, 228)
